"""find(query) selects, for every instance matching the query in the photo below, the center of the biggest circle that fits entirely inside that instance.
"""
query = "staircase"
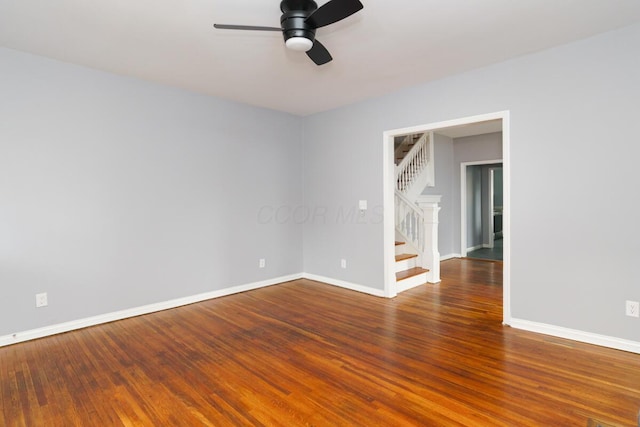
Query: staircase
(405, 146)
(408, 274)
(416, 216)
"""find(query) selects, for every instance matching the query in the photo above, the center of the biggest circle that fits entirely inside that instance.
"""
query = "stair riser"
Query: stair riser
(411, 282)
(401, 249)
(405, 264)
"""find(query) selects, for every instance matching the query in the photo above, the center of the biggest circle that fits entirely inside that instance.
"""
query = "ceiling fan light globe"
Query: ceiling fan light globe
(301, 44)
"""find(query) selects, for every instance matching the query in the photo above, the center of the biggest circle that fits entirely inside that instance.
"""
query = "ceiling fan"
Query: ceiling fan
(299, 21)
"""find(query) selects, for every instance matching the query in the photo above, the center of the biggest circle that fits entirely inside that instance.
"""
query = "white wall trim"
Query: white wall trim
(388, 199)
(541, 328)
(576, 335)
(388, 206)
(138, 311)
(179, 302)
(346, 285)
(449, 256)
(506, 217)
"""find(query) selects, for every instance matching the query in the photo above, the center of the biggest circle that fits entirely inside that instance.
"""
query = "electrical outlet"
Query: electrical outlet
(262, 263)
(41, 300)
(633, 308)
(343, 263)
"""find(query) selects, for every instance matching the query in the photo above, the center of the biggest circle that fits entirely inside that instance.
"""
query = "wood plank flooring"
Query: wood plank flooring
(308, 354)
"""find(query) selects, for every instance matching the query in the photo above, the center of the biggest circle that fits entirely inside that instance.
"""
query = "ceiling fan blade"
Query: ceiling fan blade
(333, 11)
(245, 27)
(319, 54)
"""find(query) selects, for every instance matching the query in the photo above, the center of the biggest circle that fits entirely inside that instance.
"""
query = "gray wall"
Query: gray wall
(340, 168)
(117, 193)
(573, 112)
(474, 201)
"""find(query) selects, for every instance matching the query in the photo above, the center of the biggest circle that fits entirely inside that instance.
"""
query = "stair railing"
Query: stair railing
(413, 163)
(410, 221)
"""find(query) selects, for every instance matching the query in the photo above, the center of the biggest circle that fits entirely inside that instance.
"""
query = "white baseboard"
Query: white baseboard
(473, 248)
(137, 311)
(346, 285)
(575, 335)
(556, 331)
(449, 256)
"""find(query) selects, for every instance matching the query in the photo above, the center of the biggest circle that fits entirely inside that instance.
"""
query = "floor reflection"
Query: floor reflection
(494, 253)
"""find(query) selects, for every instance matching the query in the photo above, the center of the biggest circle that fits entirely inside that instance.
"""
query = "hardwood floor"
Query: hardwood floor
(306, 353)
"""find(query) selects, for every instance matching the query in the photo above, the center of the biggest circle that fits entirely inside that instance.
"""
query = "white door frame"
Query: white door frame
(388, 175)
(492, 212)
(463, 202)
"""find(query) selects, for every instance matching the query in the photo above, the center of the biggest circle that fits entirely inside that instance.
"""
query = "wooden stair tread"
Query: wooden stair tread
(399, 243)
(401, 275)
(403, 257)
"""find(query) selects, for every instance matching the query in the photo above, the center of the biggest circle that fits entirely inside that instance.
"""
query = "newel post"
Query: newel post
(430, 206)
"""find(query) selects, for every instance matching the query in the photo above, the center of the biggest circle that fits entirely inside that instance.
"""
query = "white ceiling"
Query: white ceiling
(471, 129)
(386, 46)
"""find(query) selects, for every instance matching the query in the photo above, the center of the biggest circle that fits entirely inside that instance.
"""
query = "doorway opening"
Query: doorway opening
(481, 210)
(390, 290)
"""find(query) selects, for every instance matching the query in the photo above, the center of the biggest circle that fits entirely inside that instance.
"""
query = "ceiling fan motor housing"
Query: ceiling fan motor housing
(294, 13)
(299, 21)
